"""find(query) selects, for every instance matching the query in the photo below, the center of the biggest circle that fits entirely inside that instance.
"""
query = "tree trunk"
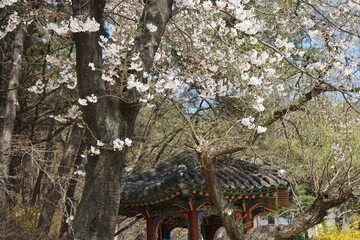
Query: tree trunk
(224, 207)
(10, 116)
(108, 119)
(2, 61)
(48, 154)
(65, 233)
(58, 189)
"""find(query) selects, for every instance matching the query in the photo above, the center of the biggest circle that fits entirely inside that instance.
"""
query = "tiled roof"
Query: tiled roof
(181, 175)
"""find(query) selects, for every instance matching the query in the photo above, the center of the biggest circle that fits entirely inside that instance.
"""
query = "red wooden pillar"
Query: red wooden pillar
(150, 228)
(247, 221)
(159, 233)
(194, 225)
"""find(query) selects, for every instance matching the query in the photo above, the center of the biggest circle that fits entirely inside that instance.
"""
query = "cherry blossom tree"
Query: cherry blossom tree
(229, 70)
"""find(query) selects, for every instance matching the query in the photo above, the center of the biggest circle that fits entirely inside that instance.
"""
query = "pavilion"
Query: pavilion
(173, 194)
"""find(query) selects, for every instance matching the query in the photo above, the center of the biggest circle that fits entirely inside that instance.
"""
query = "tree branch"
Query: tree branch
(224, 207)
(314, 215)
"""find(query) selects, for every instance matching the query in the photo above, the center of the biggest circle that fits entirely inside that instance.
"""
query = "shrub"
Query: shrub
(334, 233)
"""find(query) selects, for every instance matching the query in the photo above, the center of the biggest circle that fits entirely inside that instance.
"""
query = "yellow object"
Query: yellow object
(333, 233)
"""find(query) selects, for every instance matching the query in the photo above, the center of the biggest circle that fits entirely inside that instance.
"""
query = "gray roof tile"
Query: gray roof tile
(234, 175)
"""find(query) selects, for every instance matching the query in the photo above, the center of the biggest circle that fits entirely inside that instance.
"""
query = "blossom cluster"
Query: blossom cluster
(5, 3)
(13, 21)
(117, 145)
(74, 25)
(249, 123)
(84, 101)
(114, 52)
(224, 48)
(79, 173)
(73, 113)
(66, 75)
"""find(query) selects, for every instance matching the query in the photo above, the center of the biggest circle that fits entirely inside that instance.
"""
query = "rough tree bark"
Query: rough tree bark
(58, 188)
(110, 118)
(225, 208)
(2, 60)
(96, 214)
(10, 116)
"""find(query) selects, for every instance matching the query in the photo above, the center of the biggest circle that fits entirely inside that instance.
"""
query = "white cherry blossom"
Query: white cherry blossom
(128, 142)
(4, 3)
(118, 144)
(151, 27)
(248, 122)
(255, 81)
(261, 129)
(92, 98)
(94, 150)
(82, 101)
(92, 66)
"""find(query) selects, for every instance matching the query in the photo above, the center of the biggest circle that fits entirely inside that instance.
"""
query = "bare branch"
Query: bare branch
(314, 215)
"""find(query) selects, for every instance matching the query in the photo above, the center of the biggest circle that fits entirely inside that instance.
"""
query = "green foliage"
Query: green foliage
(318, 148)
(305, 194)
